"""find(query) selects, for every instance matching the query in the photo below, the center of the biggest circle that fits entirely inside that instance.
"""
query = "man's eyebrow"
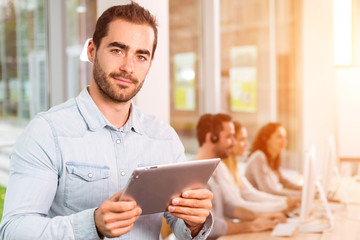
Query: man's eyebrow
(144, 52)
(119, 45)
(127, 48)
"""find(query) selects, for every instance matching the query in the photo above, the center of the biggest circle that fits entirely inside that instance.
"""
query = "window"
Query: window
(24, 65)
(23, 72)
(258, 64)
(80, 25)
(343, 32)
(356, 32)
(184, 63)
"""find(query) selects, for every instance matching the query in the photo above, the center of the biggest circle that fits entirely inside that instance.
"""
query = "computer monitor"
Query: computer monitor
(331, 172)
(311, 184)
(329, 165)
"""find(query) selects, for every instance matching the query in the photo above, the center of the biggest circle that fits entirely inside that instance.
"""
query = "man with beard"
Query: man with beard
(71, 163)
(216, 136)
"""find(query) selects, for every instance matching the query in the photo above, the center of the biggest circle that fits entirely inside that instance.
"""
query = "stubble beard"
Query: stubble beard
(222, 153)
(114, 93)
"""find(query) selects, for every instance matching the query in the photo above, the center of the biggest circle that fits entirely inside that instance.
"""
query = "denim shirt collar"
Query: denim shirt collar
(96, 120)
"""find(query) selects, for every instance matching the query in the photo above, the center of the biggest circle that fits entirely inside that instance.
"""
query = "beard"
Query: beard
(115, 93)
(221, 152)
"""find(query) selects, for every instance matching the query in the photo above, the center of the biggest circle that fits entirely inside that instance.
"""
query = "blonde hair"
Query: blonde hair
(231, 162)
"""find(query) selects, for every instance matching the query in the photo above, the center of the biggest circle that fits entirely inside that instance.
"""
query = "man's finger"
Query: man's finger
(122, 223)
(193, 203)
(188, 210)
(121, 216)
(116, 196)
(198, 194)
(117, 207)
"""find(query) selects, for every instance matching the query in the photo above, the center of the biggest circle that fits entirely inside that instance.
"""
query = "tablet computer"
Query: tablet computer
(153, 187)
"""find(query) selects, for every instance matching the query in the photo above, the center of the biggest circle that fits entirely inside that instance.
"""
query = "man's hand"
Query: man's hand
(262, 224)
(277, 216)
(193, 206)
(114, 218)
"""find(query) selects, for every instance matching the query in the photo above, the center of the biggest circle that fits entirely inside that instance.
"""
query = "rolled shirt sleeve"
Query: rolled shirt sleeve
(182, 232)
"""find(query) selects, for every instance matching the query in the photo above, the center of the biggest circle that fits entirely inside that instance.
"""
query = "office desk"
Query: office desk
(266, 236)
(351, 187)
(346, 224)
(346, 227)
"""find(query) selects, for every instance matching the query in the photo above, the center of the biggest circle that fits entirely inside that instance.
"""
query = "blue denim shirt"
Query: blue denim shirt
(70, 159)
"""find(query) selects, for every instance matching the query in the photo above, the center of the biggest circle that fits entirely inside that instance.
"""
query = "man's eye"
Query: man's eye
(142, 58)
(117, 51)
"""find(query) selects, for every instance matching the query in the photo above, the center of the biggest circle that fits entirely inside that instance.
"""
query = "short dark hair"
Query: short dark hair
(132, 12)
(210, 123)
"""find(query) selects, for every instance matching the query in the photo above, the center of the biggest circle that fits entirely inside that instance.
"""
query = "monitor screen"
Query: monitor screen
(329, 164)
(309, 187)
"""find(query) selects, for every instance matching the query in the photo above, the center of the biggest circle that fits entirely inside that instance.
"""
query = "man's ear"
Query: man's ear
(208, 137)
(91, 51)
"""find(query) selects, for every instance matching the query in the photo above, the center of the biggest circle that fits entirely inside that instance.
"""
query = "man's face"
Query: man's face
(223, 146)
(122, 60)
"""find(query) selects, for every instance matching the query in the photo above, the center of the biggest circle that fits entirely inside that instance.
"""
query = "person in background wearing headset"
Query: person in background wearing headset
(247, 196)
(215, 135)
(264, 162)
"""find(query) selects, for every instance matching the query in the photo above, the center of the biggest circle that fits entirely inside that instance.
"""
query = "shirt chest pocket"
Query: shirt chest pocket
(86, 186)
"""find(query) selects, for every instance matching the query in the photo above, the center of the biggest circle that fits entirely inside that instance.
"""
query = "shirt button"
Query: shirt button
(122, 173)
(118, 141)
(90, 175)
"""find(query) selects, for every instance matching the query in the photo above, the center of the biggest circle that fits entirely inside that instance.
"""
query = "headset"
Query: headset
(214, 138)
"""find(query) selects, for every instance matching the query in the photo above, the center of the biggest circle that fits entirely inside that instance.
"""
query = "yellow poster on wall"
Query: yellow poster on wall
(243, 79)
(184, 76)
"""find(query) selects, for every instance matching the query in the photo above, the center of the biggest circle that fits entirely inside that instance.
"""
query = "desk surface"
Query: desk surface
(346, 226)
(351, 189)
(266, 236)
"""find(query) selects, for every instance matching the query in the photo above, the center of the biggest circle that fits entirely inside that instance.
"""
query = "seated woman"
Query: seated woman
(247, 196)
(263, 165)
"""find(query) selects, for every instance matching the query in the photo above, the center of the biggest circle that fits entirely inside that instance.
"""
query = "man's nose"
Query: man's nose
(127, 64)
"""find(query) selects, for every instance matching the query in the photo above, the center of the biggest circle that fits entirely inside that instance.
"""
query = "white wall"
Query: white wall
(103, 5)
(348, 92)
(154, 97)
(317, 70)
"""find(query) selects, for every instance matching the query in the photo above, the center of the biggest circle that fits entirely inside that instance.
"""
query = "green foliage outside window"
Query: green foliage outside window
(2, 198)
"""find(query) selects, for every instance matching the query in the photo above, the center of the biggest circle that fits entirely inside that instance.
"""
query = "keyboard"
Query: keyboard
(285, 229)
